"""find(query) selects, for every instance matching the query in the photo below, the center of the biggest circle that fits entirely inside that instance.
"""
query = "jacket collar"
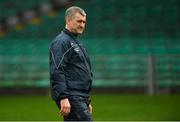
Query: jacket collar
(70, 33)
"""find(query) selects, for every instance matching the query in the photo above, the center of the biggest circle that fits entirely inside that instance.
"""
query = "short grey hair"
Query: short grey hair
(71, 11)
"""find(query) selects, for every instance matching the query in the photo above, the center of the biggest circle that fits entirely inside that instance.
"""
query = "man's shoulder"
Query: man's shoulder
(62, 38)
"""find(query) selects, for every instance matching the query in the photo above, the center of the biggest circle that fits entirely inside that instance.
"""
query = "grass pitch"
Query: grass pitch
(105, 107)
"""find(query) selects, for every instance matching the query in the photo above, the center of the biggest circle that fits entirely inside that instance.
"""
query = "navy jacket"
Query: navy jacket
(70, 68)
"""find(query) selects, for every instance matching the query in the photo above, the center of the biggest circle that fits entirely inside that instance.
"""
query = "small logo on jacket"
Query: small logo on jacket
(76, 49)
(75, 46)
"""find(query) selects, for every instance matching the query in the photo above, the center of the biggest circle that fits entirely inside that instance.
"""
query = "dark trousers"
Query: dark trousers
(79, 109)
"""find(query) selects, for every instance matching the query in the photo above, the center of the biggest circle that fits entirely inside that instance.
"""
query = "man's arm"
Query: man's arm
(58, 61)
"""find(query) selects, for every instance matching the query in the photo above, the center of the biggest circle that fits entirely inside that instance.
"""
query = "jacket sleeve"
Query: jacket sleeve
(58, 61)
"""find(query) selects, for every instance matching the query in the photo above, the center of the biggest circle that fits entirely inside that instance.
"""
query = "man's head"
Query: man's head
(75, 18)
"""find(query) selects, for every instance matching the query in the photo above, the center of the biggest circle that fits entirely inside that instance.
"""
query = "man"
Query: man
(70, 69)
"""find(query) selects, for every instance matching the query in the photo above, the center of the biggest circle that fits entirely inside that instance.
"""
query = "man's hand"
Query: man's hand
(65, 107)
(90, 108)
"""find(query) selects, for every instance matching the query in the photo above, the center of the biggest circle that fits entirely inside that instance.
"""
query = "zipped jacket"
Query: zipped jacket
(70, 68)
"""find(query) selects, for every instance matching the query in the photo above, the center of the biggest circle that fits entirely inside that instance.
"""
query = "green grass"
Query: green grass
(106, 107)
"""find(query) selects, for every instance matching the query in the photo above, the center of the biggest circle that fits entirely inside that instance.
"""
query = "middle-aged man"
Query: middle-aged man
(70, 69)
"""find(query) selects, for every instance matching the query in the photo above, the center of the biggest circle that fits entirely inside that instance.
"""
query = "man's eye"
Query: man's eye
(81, 21)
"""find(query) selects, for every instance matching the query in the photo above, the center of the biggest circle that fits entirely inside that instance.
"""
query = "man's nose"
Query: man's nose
(82, 24)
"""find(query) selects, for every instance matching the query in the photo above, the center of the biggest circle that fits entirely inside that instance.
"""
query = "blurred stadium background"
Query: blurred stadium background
(134, 47)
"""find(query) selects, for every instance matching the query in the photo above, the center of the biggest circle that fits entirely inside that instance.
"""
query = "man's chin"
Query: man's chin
(80, 32)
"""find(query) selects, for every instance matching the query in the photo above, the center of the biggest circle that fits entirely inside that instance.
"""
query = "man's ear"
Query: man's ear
(68, 20)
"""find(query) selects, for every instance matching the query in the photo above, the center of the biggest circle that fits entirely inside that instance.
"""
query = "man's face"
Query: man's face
(77, 23)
